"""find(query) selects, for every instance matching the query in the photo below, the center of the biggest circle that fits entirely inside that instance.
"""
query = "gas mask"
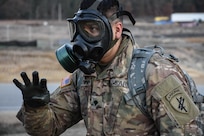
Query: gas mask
(91, 37)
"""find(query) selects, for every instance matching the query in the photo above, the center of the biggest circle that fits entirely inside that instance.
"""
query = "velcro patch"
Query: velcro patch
(177, 102)
(66, 81)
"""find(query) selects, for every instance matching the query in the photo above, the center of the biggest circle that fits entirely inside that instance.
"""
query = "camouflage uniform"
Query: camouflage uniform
(99, 100)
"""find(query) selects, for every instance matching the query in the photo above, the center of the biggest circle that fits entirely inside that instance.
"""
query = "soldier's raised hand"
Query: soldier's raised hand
(35, 93)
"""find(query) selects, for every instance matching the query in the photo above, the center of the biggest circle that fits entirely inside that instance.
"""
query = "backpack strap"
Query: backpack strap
(198, 100)
(128, 33)
(137, 82)
(197, 97)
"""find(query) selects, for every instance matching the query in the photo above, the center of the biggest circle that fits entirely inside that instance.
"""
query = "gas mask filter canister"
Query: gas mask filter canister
(66, 58)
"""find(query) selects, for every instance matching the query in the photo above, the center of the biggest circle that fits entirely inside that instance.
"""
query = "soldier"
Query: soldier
(99, 58)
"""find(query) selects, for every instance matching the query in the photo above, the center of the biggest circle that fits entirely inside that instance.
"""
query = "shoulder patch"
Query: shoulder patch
(177, 102)
(66, 81)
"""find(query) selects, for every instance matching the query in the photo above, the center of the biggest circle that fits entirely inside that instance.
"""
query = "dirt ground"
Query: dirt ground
(186, 43)
(15, 60)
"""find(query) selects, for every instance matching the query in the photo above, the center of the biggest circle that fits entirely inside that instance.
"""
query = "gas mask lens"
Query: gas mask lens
(71, 29)
(91, 30)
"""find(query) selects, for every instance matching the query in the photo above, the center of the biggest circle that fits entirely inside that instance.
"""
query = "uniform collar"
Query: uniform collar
(120, 64)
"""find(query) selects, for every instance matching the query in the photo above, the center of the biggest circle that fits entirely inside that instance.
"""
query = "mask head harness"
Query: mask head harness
(91, 37)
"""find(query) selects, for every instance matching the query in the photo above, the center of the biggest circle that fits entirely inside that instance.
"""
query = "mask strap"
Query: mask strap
(95, 4)
(121, 13)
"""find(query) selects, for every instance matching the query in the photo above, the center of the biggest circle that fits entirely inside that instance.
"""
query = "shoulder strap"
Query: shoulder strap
(128, 33)
(197, 97)
(136, 79)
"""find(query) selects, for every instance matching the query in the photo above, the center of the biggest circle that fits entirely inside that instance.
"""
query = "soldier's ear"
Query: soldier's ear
(118, 29)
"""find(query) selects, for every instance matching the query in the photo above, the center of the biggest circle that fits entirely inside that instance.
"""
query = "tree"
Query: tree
(14, 9)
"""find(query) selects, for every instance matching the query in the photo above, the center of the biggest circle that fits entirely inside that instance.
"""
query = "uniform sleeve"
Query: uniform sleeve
(62, 112)
(169, 101)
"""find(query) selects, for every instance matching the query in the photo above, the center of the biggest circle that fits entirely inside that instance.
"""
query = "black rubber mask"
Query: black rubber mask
(91, 37)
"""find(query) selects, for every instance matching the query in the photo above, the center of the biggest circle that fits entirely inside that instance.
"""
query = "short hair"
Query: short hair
(104, 6)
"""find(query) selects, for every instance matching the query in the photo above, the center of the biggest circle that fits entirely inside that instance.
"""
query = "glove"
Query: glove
(35, 94)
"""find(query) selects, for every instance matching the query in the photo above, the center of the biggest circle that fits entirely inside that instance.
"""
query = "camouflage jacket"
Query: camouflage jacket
(98, 99)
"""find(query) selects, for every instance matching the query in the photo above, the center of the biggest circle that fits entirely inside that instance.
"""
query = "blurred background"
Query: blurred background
(31, 31)
(58, 9)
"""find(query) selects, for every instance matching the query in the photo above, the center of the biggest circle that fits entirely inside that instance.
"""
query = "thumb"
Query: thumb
(18, 84)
